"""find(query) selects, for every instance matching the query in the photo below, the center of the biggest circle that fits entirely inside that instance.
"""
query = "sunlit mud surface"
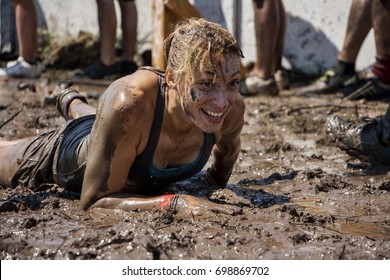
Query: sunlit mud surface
(301, 197)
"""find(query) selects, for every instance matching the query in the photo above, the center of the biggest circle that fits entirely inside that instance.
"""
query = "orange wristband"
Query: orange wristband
(166, 200)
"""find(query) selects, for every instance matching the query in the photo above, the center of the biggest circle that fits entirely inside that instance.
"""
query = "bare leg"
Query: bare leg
(107, 27)
(10, 151)
(379, 88)
(381, 25)
(359, 24)
(72, 105)
(129, 29)
(26, 25)
(78, 108)
(266, 28)
(279, 44)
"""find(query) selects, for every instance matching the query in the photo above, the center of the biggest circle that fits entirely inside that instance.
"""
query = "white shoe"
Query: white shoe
(281, 79)
(255, 85)
(23, 69)
(13, 62)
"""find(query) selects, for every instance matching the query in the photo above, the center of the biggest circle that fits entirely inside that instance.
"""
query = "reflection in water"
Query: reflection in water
(353, 224)
(369, 229)
(358, 222)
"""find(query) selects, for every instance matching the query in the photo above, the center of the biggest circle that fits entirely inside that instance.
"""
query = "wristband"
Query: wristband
(166, 200)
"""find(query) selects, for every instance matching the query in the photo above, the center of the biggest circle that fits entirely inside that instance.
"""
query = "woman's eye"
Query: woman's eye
(207, 84)
(235, 83)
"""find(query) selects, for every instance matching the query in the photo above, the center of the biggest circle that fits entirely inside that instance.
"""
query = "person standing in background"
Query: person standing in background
(342, 75)
(27, 65)
(378, 87)
(108, 63)
(266, 78)
(369, 140)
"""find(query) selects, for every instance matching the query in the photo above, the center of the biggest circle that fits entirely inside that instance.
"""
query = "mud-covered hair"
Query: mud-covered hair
(197, 44)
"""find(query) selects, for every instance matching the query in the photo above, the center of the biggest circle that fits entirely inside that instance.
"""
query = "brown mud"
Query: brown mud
(301, 197)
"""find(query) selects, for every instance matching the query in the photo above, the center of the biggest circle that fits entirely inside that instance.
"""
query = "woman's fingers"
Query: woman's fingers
(193, 206)
(226, 209)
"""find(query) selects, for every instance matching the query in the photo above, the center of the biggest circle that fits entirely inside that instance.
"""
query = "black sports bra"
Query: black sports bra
(144, 173)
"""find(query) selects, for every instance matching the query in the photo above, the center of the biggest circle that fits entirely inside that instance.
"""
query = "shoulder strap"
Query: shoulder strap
(156, 125)
(141, 165)
(158, 71)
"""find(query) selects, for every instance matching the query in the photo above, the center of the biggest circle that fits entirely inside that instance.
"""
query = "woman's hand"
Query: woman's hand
(188, 205)
(210, 181)
(182, 204)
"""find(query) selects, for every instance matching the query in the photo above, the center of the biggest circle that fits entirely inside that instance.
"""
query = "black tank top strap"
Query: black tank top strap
(147, 156)
(158, 71)
(141, 165)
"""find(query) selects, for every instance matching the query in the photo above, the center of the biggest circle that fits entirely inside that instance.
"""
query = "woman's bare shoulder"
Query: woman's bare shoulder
(127, 108)
(132, 90)
(143, 80)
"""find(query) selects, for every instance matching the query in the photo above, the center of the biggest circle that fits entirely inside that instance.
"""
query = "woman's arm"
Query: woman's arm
(117, 137)
(183, 204)
(227, 148)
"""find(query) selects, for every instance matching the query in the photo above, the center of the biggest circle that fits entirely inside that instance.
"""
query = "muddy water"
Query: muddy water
(347, 222)
(301, 197)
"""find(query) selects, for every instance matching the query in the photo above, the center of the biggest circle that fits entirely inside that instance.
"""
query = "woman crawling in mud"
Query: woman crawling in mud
(150, 129)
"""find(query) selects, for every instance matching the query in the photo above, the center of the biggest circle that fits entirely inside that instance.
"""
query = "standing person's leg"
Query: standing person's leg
(266, 30)
(279, 42)
(381, 24)
(379, 87)
(129, 28)
(27, 65)
(358, 26)
(108, 64)
(107, 27)
(267, 24)
(279, 74)
(370, 141)
(342, 75)
(129, 16)
(26, 26)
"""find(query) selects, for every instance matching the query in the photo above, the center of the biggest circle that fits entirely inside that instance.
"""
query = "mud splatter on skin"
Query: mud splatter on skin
(194, 95)
(223, 72)
(187, 111)
(128, 103)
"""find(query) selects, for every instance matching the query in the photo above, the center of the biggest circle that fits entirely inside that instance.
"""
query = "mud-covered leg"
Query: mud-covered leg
(72, 105)
(10, 152)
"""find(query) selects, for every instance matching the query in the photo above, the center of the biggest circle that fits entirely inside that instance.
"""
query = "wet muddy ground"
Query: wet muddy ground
(301, 197)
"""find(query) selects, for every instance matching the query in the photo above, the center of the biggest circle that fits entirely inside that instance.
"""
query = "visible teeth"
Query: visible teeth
(213, 114)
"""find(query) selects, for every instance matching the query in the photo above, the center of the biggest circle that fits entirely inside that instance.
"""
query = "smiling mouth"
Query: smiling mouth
(212, 114)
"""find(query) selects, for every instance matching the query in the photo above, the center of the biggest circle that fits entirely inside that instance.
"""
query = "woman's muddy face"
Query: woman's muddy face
(208, 99)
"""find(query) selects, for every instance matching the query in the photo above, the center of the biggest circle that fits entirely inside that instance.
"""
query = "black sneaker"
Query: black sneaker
(330, 82)
(98, 71)
(128, 67)
(361, 140)
(373, 89)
